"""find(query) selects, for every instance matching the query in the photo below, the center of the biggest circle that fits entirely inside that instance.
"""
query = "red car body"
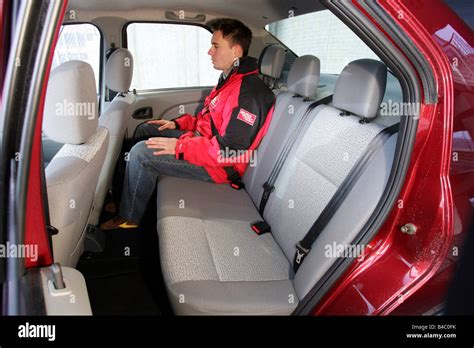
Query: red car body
(409, 274)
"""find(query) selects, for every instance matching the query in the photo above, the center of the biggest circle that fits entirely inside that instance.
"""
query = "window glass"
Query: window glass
(323, 35)
(79, 42)
(170, 56)
(464, 9)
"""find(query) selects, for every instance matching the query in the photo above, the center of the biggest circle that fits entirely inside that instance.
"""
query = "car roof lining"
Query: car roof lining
(264, 11)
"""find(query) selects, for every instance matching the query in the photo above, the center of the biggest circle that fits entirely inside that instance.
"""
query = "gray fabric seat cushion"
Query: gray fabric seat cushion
(199, 199)
(212, 261)
(206, 297)
(223, 267)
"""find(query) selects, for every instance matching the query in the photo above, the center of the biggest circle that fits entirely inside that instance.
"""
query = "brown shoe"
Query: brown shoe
(116, 222)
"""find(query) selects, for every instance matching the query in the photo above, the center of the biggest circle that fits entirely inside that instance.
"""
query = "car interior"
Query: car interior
(196, 252)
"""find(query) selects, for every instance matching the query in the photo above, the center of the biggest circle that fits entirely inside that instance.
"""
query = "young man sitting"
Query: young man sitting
(235, 117)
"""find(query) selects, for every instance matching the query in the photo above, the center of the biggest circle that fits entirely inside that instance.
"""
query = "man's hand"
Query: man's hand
(166, 145)
(164, 124)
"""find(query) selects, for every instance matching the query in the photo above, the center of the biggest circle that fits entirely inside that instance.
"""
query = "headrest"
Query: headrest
(119, 70)
(271, 61)
(303, 77)
(361, 87)
(70, 110)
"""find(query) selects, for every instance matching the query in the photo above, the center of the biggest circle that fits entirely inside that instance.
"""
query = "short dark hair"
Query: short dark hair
(233, 30)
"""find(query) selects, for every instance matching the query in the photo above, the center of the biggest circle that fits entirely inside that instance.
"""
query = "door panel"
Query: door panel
(167, 104)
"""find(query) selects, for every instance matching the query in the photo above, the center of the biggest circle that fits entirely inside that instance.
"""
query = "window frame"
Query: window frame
(125, 45)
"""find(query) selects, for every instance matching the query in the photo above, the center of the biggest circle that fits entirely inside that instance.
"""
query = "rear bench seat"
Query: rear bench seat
(213, 263)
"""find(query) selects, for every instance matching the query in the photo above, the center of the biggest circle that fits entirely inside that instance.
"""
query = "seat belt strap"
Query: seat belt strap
(51, 230)
(303, 247)
(269, 185)
(233, 175)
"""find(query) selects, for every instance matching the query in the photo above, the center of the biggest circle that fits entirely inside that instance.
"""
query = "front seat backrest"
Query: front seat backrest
(118, 77)
(70, 117)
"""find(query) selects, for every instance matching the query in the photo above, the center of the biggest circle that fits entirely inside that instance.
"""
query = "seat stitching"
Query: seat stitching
(210, 250)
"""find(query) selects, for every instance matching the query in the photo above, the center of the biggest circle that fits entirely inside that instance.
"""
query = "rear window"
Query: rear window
(323, 35)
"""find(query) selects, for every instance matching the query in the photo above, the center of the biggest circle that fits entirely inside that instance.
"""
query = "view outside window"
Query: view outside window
(323, 35)
(170, 56)
(79, 42)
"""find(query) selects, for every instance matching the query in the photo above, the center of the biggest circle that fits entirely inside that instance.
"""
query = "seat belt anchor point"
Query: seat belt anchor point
(301, 252)
(268, 188)
(237, 185)
(260, 227)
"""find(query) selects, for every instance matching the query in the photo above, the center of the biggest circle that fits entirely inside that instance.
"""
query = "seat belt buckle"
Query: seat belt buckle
(235, 180)
(260, 227)
(237, 185)
(301, 252)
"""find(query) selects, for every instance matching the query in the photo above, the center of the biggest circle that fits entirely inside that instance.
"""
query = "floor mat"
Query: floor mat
(125, 279)
(116, 287)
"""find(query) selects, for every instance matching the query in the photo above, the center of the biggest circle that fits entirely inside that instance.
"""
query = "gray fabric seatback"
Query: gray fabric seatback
(118, 76)
(289, 109)
(349, 219)
(319, 162)
(71, 176)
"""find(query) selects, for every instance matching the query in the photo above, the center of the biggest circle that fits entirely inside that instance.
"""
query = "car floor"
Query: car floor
(125, 279)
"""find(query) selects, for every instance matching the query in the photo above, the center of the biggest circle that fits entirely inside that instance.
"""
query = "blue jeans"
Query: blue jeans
(144, 168)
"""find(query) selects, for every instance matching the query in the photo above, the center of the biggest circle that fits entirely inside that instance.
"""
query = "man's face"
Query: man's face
(222, 53)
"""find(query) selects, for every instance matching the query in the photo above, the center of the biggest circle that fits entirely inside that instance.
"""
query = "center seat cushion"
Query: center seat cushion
(196, 199)
(222, 267)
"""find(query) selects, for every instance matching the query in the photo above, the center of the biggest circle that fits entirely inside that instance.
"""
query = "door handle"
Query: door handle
(144, 113)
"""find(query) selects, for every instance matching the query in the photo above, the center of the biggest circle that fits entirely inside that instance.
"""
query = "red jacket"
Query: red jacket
(241, 107)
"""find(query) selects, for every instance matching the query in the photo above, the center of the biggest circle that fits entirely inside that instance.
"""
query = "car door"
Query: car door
(32, 283)
(172, 72)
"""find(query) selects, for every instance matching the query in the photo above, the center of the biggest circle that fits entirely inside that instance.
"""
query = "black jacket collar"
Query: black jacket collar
(246, 65)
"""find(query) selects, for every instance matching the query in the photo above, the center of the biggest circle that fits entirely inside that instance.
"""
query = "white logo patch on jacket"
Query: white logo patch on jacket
(214, 102)
(247, 117)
